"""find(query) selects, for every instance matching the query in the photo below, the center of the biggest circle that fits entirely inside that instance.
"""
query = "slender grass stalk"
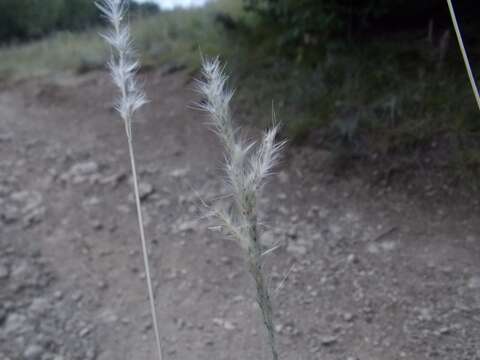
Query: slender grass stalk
(247, 167)
(464, 53)
(123, 67)
(144, 249)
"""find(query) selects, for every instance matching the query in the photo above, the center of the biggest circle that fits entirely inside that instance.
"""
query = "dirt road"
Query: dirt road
(373, 273)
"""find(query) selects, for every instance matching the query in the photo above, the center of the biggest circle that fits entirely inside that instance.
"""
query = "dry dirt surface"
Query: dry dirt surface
(373, 273)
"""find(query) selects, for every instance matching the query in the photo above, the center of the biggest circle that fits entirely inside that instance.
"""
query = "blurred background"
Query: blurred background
(370, 78)
(372, 214)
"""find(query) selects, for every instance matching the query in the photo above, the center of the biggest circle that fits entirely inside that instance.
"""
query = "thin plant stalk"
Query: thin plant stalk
(263, 294)
(464, 53)
(144, 246)
(247, 167)
(123, 68)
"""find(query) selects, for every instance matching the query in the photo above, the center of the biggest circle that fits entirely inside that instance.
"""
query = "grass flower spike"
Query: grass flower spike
(123, 64)
(247, 167)
(123, 67)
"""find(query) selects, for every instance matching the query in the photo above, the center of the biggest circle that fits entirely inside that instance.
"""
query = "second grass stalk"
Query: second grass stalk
(123, 67)
(247, 167)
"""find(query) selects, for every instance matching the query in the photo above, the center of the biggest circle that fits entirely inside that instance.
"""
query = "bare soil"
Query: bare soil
(373, 272)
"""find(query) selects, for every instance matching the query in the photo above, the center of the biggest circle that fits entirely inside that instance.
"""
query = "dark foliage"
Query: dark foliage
(29, 19)
(308, 22)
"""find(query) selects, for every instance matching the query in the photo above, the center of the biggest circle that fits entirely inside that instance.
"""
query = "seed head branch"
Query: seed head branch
(247, 165)
(123, 63)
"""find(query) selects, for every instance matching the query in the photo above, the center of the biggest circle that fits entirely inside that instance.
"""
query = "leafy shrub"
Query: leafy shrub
(308, 22)
(78, 14)
(27, 19)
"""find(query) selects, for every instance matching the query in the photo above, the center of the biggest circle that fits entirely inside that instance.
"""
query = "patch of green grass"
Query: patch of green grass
(60, 52)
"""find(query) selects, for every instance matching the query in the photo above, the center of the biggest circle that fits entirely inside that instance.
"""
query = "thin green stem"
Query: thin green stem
(143, 241)
(263, 296)
(464, 53)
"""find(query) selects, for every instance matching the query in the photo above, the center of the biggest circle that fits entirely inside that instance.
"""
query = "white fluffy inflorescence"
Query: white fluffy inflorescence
(247, 166)
(123, 68)
(123, 64)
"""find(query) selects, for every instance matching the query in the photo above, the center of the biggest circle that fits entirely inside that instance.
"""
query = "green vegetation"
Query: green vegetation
(24, 18)
(169, 37)
(400, 106)
(400, 94)
(61, 52)
(310, 22)
(370, 84)
(32, 19)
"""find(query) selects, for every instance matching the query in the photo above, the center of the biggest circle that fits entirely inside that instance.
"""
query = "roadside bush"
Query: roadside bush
(31, 19)
(78, 14)
(308, 22)
(28, 18)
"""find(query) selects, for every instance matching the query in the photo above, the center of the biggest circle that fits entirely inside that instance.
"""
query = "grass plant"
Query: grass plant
(247, 167)
(123, 66)
(170, 36)
(464, 52)
(403, 90)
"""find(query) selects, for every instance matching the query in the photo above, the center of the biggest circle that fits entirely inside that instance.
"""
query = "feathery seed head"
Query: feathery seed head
(266, 157)
(123, 67)
(123, 64)
(217, 100)
(247, 165)
(232, 226)
(113, 10)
